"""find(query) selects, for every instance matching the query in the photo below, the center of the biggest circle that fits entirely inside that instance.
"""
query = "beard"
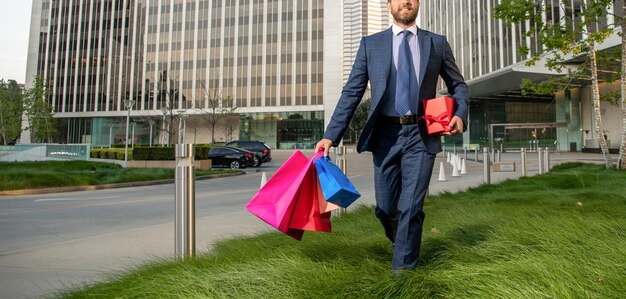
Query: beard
(403, 17)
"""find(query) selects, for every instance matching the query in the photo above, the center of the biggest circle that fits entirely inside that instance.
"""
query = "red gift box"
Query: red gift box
(438, 113)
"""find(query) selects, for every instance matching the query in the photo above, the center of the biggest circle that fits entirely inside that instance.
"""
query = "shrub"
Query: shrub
(95, 153)
(154, 153)
(202, 151)
(167, 152)
(119, 154)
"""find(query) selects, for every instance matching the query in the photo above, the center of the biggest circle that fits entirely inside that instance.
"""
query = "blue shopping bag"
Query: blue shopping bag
(336, 187)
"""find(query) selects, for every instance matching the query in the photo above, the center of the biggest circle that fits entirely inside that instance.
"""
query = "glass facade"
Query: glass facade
(283, 130)
(264, 56)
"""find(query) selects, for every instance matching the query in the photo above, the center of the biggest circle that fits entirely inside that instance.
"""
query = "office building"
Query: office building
(171, 58)
(486, 51)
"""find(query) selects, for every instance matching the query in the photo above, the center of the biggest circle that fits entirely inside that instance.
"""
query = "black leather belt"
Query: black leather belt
(401, 120)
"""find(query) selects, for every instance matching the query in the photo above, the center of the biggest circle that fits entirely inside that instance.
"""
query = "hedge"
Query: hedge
(147, 153)
(154, 153)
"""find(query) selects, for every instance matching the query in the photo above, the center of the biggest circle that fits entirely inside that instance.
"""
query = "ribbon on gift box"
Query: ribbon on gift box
(443, 119)
(438, 113)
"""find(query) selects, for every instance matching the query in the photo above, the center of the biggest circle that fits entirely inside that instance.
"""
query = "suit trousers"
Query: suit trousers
(402, 171)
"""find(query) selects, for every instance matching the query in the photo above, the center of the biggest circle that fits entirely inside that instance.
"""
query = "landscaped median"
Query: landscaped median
(15, 176)
(558, 235)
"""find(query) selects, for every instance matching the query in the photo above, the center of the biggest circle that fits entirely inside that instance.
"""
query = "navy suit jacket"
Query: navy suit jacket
(373, 63)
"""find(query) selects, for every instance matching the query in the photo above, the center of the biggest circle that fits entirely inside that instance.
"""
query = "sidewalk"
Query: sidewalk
(361, 165)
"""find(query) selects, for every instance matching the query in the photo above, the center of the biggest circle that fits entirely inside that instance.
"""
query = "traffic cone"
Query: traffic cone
(463, 167)
(263, 179)
(442, 173)
(455, 170)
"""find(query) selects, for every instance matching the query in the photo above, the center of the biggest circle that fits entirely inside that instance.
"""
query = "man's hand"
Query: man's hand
(457, 126)
(325, 145)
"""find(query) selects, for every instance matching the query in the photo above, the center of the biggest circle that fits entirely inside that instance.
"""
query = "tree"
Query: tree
(167, 99)
(41, 122)
(11, 110)
(229, 124)
(621, 161)
(561, 43)
(218, 108)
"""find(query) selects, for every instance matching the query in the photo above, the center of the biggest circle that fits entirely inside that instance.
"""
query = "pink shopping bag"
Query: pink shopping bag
(292, 200)
(276, 200)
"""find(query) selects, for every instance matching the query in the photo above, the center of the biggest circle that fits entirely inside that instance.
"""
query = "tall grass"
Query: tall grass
(560, 235)
(26, 175)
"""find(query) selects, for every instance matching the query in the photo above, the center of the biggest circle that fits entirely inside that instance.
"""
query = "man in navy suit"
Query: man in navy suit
(402, 64)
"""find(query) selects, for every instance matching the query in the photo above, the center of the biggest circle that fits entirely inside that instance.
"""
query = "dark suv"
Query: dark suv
(262, 150)
(234, 158)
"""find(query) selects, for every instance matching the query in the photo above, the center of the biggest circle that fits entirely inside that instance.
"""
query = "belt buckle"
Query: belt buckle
(406, 120)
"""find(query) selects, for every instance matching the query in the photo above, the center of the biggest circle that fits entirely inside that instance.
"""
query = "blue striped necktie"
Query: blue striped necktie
(406, 72)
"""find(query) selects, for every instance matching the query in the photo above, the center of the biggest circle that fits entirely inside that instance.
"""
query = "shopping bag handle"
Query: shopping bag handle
(318, 155)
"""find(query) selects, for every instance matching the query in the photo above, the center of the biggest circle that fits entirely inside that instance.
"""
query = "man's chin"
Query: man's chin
(406, 21)
(406, 17)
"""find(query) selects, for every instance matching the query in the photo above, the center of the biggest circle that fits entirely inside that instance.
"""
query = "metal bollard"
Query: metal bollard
(524, 172)
(546, 163)
(465, 152)
(476, 154)
(454, 149)
(342, 163)
(185, 202)
(540, 160)
(340, 152)
(486, 167)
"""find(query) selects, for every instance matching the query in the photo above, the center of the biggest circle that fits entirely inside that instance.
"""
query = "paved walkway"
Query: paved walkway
(117, 251)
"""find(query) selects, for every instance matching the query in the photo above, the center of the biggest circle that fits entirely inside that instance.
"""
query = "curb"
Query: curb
(106, 186)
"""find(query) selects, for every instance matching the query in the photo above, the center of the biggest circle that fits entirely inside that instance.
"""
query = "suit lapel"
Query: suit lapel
(424, 43)
(387, 53)
(383, 55)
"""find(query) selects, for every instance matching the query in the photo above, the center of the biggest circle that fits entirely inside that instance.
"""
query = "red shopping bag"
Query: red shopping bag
(438, 113)
(308, 214)
(291, 200)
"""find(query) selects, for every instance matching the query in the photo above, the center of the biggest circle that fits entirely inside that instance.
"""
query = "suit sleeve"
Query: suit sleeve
(455, 83)
(350, 97)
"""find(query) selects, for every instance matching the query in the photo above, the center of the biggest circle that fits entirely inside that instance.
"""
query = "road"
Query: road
(52, 241)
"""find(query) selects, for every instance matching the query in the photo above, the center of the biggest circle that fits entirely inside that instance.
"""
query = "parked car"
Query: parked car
(234, 158)
(259, 147)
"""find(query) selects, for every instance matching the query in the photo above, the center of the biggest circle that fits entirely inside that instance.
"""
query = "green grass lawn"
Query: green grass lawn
(559, 235)
(27, 175)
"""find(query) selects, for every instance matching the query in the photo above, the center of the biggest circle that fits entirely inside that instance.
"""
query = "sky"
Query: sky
(14, 32)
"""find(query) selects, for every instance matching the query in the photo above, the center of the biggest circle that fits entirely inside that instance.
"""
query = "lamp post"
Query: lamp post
(110, 135)
(151, 125)
(182, 127)
(132, 139)
(164, 111)
(129, 106)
